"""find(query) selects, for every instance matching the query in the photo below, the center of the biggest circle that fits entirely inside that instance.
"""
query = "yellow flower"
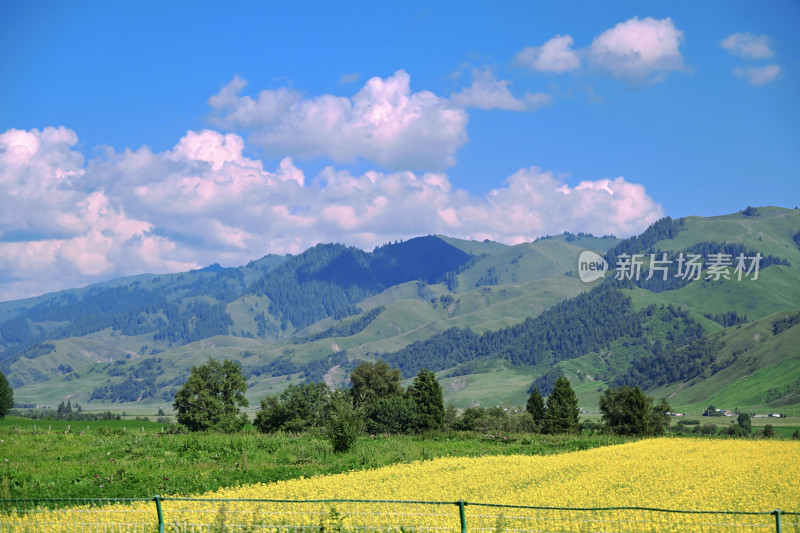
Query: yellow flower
(664, 473)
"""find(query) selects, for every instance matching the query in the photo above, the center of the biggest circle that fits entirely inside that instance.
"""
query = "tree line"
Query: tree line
(377, 403)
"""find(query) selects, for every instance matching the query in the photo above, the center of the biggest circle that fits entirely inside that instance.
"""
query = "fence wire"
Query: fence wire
(200, 515)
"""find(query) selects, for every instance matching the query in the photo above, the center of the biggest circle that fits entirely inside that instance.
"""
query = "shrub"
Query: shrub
(344, 422)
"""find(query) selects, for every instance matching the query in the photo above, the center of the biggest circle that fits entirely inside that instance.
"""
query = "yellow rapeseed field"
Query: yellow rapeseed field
(663, 473)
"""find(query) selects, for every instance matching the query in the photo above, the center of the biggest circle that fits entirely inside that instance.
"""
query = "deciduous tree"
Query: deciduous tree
(211, 397)
(373, 381)
(298, 408)
(393, 414)
(628, 411)
(745, 423)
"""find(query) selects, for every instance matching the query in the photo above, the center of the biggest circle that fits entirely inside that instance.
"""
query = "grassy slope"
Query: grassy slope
(502, 385)
(777, 288)
(759, 361)
(770, 233)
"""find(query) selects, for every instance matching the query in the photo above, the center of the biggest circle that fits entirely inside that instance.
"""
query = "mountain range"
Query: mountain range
(492, 320)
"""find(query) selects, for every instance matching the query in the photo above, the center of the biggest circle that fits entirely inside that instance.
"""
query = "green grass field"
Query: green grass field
(116, 459)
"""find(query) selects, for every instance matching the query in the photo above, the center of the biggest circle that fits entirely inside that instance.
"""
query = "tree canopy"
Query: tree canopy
(297, 408)
(374, 381)
(628, 411)
(211, 397)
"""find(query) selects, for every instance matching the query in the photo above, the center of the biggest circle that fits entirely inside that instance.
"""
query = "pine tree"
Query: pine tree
(427, 394)
(561, 414)
(535, 407)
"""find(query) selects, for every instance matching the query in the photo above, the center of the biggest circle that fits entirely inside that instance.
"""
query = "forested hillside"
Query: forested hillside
(328, 280)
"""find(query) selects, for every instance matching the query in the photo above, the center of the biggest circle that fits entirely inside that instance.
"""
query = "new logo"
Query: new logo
(591, 266)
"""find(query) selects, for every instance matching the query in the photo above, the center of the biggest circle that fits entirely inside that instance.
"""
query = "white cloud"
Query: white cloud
(758, 75)
(748, 45)
(38, 173)
(487, 92)
(556, 55)
(534, 203)
(204, 201)
(751, 46)
(639, 50)
(384, 122)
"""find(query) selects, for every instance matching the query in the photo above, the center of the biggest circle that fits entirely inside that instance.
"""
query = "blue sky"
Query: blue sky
(155, 137)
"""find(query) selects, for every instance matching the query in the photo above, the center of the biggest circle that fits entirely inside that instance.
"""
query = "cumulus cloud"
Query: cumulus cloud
(487, 92)
(533, 203)
(204, 201)
(38, 172)
(53, 232)
(758, 75)
(385, 122)
(748, 45)
(556, 55)
(639, 49)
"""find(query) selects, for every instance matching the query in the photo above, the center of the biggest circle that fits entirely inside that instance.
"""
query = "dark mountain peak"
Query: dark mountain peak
(426, 258)
(216, 267)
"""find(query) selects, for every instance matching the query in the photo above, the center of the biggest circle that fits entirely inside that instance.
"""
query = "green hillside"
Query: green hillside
(770, 232)
(130, 342)
(754, 367)
(776, 288)
(412, 311)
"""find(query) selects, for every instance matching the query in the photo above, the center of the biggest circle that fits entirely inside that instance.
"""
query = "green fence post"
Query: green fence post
(157, 499)
(777, 513)
(462, 516)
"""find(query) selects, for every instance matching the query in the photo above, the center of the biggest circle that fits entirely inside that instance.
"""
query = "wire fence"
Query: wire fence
(196, 515)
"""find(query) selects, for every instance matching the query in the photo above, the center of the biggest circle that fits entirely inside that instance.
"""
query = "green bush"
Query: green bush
(393, 414)
(344, 422)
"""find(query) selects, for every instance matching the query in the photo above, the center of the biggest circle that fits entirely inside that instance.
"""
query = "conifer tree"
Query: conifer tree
(535, 407)
(561, 414)
(427, 394)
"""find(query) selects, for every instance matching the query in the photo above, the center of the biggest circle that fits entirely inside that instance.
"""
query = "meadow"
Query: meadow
(134, 459)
